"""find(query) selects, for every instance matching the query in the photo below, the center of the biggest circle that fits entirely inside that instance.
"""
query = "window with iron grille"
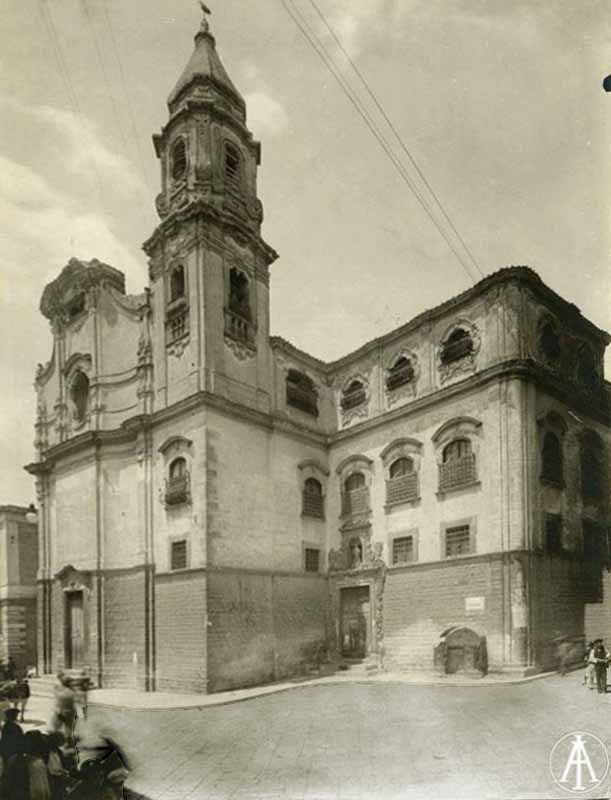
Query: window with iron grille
(177, 485)
(312, 559)
(179, 554)
(549, 342)
(402, 485)
(592, 467)
(177, 283)
(353, 396)
(177, 325)
(551, 458)
(458, 466)
(458, 541)
(313, 504)
(553, 533)
(403, 550)
(400, 373)
(301, 392)
(232, 164)
(458, 345)
(179, 159)
(355, 497)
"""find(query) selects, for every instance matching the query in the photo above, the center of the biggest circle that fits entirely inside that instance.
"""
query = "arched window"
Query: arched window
(301, 392)
(355, 498)
(549, 342)
(458, 465)
(177, 486)
(551, 458)
(79, 394)
(592, 467)
(313, 505)
(459, 448)
(354, 395)
(402, 485)
(458, 345)
(400, 373)
(239, 294)
(179, 159)
(401, 467)
(233, 166)
(178, 469)
(177, 283)
(586, 369)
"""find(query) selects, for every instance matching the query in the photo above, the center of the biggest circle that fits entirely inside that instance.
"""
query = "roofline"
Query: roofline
(520, 274)
(11, 509)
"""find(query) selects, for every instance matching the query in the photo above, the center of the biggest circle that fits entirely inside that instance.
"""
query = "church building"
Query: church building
(219, 509)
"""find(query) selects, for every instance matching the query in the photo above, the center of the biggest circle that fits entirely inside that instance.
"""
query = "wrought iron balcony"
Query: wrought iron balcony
(177, 490)
(313, 505)
(353, 399)
(399, 377)
(457, 473)
(355, 501)
(302, 399)
(402, 489)
(452, 351)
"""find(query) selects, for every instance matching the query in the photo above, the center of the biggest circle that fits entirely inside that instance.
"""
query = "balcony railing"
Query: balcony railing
(355, 501)
(239, 328)
(353, 399)
(177, 323)
(452, 351)
(302, 399)
(402, 489)
(456, 473)
(399, 378)
(177, 490)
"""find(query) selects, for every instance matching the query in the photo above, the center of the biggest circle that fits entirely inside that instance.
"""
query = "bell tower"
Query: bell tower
(208, 264)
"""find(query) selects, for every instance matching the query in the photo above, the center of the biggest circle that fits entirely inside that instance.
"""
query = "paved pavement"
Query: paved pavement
(355, 741)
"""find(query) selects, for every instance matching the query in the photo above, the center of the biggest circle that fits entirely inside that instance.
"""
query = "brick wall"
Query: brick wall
(124, 629)
(598, 615)
(421, 602)
(262, 626)
(558, 605)
(180, 631)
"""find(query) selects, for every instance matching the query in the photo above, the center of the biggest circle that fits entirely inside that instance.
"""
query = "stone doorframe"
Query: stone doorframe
(373, 578)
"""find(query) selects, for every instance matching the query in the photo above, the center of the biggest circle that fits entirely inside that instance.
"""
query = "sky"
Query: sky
(499, 103)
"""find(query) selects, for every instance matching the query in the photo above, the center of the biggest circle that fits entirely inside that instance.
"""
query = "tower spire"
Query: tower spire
(204, 25)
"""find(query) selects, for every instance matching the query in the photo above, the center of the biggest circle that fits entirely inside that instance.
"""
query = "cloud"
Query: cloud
(265, 114)
(82, 150)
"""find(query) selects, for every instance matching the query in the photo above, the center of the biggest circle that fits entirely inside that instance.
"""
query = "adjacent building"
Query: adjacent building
(18, 568)
(219, 508)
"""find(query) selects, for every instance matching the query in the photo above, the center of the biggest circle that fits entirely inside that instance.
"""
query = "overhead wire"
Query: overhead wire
(64, 72)
(395, 132)
(126, 94)
(102, 64)
(311, 37)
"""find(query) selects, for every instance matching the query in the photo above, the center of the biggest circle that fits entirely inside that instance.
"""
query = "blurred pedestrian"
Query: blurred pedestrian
(564, 654)
(57, 766)
(589, 678)
(22, 696)
(64, 716)
(37, 749)
(16, 773)
(601, 662)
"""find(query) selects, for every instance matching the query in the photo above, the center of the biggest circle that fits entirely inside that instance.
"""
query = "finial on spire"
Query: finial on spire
(204, 26)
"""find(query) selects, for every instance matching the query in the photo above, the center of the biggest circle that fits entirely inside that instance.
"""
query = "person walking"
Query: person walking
(589, 678)
(601, 663)
(37, 749)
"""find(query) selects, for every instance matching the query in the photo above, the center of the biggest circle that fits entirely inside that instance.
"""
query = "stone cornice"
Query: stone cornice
(202, 208)
(520, 369)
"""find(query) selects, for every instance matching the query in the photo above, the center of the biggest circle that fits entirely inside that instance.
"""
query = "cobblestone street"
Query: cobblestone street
(360, 741)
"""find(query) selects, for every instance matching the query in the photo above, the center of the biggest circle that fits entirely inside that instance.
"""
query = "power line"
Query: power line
(396, 133)
(304, 27)
(105, 75)
(126, 95)
(65, 75)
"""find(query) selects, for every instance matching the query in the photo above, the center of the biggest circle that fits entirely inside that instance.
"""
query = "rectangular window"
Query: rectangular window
(403, 550)
(312, 559)
(553, 533)
(179, 555)
(458, 541)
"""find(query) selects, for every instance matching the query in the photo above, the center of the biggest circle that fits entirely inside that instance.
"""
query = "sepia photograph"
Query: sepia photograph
(305, 436)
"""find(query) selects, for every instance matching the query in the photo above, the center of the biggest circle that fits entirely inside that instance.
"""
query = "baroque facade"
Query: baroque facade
(218, 508)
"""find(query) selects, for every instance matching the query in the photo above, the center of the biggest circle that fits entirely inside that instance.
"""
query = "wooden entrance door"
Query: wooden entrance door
(354, 621)
(74, 629)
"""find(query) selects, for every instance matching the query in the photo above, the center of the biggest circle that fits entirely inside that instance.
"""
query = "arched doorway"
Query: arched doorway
(461, 649)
